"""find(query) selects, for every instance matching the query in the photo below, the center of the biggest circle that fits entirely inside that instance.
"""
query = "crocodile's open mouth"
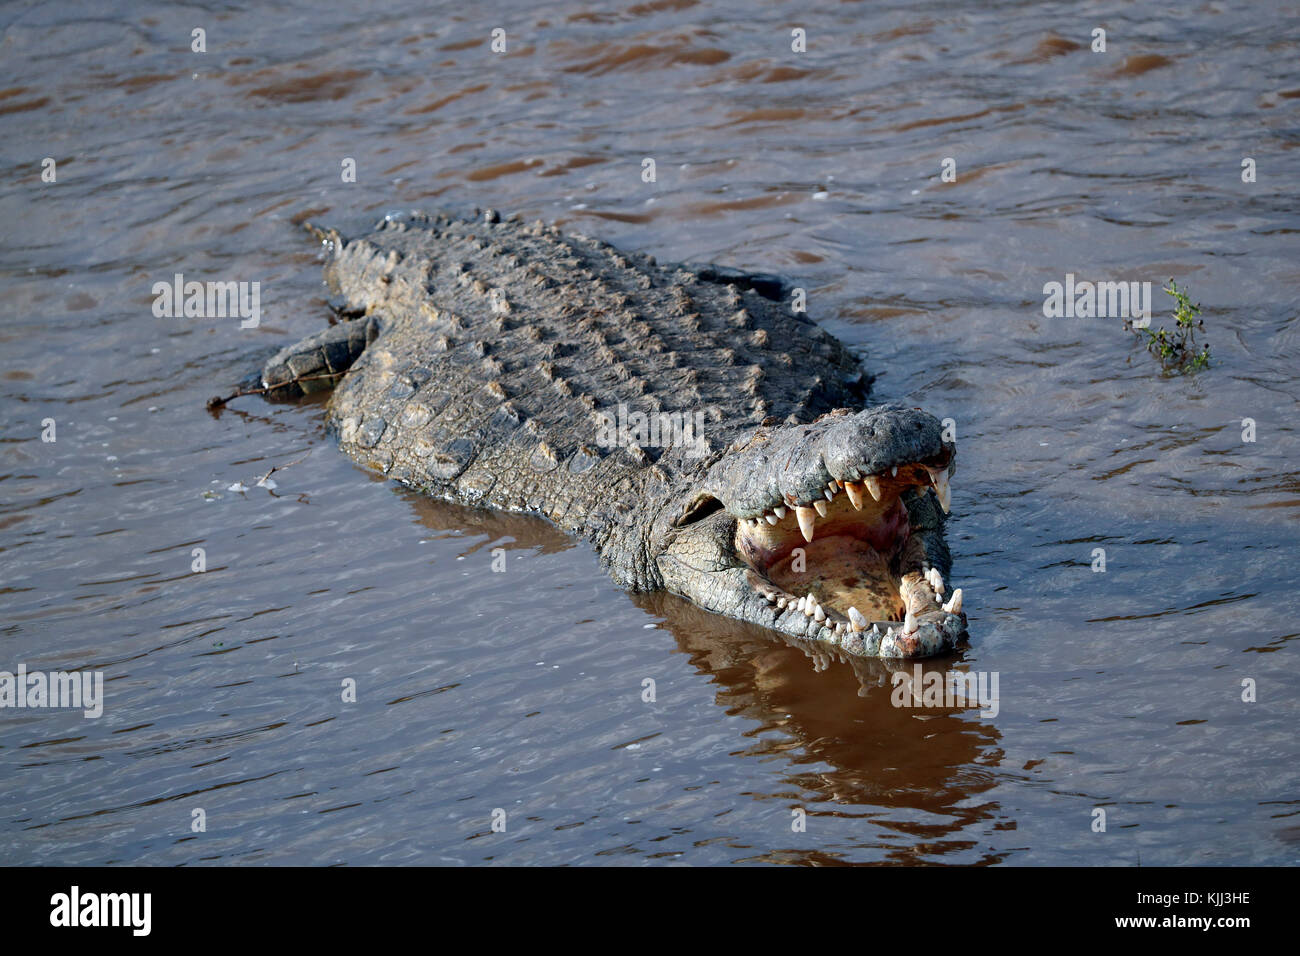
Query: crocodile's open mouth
(848, 561)
(830, 530)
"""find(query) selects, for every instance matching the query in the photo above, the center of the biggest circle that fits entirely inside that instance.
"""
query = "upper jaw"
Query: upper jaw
(794, 464)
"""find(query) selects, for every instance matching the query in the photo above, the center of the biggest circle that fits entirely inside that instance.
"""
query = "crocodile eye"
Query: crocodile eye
(703, 506)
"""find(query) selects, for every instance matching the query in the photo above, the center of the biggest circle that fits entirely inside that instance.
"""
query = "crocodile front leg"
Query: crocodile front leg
(319, 361)
(312, 365)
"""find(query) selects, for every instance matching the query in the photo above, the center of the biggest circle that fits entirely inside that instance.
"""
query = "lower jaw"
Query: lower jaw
(841, 584)
(934, 631)
(842, 572)
(847, 577)
(845, 591)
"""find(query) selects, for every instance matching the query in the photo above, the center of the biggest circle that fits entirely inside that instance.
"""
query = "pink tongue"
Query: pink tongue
(892, 527)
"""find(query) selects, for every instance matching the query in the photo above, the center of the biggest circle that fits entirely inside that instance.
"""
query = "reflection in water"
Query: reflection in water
(501, 529)
(837, 726)
(831, 717)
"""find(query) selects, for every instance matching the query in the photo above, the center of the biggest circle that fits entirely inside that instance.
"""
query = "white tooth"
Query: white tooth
(910, 623)
(894, 471)
(854, 492)
(873, 486)
(806, 518)
(954, 604)
(779, 511)
(875, 630)
(818, 614)
(936, 580)
(830, 494)
(780, 602)
(810, 608)
(941, 488)
(820, 506)
(856, 620)
(771, 518)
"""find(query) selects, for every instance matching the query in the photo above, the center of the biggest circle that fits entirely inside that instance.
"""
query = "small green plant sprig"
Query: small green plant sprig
(1178, 350)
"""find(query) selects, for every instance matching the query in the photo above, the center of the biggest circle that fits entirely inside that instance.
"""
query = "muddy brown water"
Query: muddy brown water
(523, 690)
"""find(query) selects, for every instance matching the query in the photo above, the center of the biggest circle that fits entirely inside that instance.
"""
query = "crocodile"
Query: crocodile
(690, 421)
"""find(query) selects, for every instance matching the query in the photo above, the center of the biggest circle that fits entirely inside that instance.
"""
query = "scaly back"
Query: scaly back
(504, 344)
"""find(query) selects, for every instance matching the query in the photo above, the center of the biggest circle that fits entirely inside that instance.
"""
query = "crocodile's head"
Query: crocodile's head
(830, 531)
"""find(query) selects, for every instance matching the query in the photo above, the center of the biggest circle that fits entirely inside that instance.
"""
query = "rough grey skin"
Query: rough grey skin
(485, 361)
